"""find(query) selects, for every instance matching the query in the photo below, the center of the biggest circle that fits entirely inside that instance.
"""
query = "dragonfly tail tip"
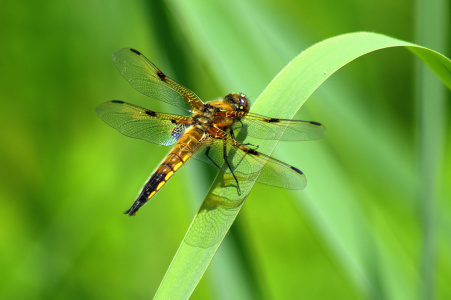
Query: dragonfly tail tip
(131, 212)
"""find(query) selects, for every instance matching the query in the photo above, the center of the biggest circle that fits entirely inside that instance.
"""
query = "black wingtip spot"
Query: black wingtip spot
(297, 170)
(315, 123)
(117, 101)
(150, 113)
(135, 51)
(252, 151)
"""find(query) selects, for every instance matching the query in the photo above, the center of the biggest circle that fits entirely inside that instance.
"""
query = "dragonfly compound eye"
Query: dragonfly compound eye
(244, 104)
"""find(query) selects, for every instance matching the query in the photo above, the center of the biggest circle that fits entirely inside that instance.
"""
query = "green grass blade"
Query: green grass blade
(432, 31)
(295, 83)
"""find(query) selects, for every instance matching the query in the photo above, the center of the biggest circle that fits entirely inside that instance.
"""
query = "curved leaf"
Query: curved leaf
(294, 84)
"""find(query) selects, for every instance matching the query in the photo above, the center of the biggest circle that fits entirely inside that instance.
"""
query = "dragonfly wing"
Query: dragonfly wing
(278, 173)
(286, 130)
(146, 78)
(141, 123)
(246, 163)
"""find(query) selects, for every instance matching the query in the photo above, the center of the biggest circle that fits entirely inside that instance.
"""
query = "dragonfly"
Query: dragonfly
(208, 134)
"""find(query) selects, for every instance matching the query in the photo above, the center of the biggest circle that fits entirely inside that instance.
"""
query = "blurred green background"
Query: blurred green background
(357, 231)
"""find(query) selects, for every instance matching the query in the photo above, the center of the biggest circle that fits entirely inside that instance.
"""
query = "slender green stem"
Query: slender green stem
(432, 18)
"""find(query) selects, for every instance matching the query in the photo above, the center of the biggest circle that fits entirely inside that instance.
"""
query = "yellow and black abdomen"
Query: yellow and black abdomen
(185, 148)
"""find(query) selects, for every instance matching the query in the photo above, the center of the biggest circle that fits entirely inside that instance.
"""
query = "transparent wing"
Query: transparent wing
(286, 130)
(246, 163)
(146, 78)
(141, 123)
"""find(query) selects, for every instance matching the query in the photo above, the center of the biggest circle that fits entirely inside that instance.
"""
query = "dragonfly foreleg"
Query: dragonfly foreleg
(245, 144)
(228, 165)
(206, 154)
(232, 135)
(249, 144)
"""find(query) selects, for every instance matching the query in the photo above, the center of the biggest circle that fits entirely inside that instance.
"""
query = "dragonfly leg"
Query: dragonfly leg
(206, 154)
(232, 135)
(228, 165)
(249, 144)
(246, 144)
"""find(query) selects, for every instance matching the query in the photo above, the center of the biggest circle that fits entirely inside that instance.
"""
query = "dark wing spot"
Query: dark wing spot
(297, 170)
(150, 113)
(315, 123)
(272, 120)
(117, 101)
(161, 75)
(251, 151)
(136, 51)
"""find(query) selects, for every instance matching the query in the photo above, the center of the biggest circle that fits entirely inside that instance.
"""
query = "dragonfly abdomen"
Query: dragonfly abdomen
(181, 152)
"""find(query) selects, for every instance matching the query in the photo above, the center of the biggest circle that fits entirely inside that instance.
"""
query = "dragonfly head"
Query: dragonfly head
(238, 101)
